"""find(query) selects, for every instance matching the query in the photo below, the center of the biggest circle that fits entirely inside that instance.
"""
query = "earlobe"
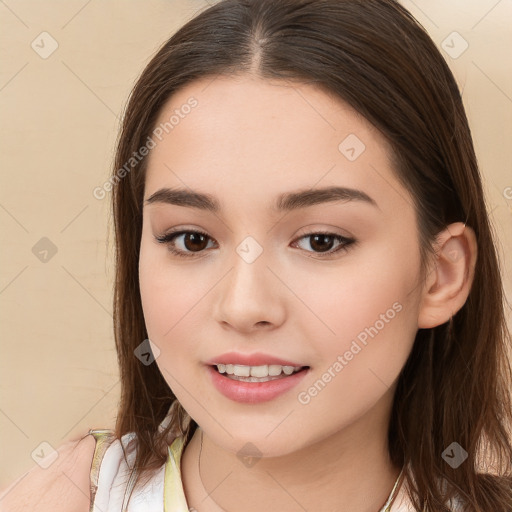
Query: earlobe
(449, 280)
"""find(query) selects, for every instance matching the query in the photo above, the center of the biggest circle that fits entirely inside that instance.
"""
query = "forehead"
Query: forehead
(258, 137)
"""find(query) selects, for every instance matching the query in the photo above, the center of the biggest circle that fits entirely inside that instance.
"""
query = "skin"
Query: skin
(247, 141)
(62, 486)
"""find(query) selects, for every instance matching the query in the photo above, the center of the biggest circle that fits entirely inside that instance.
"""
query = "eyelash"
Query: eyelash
(168, 238)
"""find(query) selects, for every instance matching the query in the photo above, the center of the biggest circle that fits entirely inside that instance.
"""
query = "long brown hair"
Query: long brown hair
(372, 54)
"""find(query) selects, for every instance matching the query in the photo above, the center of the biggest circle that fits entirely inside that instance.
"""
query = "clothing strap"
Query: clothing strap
(103, 440)
(174, 497)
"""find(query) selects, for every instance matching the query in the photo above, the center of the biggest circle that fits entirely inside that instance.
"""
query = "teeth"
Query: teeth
(288, 370)
(272, 370)
(242, 371)
(259, 371)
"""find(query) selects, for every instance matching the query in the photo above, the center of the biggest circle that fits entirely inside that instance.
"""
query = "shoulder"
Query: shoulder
(63, 486)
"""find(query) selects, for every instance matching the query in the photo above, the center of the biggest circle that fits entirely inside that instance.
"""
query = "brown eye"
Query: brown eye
(191, 241)
(322, 243)
(194, 241)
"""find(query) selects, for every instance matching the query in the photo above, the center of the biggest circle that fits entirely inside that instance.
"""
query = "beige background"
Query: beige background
(60, 116)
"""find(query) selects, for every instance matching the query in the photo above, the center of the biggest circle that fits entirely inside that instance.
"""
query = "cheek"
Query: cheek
(368, 306)
(358, 365)
(173, 298)
(166, 292)
(159, 296)
(167, 303)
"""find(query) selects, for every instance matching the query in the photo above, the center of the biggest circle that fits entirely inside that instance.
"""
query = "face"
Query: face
(325, 283)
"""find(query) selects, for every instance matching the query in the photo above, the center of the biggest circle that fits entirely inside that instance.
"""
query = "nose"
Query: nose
(250, 297)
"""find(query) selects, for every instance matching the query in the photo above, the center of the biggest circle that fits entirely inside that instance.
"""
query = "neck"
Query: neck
(348, 470)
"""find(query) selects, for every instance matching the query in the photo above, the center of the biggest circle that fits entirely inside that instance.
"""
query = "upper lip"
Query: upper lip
(257, 359)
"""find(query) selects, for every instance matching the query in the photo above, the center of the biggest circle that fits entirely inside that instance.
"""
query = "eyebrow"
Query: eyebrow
(285, 202)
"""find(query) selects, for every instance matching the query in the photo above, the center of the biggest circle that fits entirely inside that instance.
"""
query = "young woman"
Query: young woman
(301, 233)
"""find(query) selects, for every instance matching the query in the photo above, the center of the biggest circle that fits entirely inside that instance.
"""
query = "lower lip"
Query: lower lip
(254, 392)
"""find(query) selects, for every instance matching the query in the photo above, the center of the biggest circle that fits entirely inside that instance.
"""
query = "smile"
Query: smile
(261, 373)
(255, 384)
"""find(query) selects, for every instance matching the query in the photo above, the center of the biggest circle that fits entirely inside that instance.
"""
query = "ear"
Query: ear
(449, 279)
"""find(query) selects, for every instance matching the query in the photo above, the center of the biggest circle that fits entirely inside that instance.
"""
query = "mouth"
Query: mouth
(254, 378)
(261, 373)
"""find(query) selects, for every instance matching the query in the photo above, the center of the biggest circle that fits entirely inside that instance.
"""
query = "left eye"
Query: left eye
(195, 242)
(323, 242)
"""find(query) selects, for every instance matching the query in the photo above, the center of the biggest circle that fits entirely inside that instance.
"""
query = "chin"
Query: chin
(249, 439)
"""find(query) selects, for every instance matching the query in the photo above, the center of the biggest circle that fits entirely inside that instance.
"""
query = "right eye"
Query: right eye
(193, 242)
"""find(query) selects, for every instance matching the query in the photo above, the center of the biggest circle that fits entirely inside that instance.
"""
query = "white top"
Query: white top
(164, 491)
